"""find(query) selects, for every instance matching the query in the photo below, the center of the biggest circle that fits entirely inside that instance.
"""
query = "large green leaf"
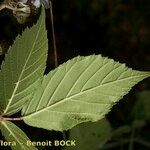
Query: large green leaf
(83, 89)
(89, 135)
(23, 66)
(15, 136)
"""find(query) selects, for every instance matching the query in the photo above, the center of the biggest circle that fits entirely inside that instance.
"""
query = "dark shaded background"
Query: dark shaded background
(118, 29)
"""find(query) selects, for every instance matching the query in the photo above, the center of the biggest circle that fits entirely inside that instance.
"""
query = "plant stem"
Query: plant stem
(131, 139)
(126, 141)
(10, 119)
(143, 142)
(53, 34)
(115, 144)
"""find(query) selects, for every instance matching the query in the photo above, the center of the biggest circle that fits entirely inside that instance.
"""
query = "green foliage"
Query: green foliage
(90, 135)
(15, 135)
(141, 109)
(23, 65)
(80, 90)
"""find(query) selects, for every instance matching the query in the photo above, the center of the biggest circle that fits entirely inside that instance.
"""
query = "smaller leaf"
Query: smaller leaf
(16, 136)
(90, 135)
(24, 65)
(141, 109)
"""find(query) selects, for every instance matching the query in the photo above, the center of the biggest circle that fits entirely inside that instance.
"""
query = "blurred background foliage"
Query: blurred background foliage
(119, 29)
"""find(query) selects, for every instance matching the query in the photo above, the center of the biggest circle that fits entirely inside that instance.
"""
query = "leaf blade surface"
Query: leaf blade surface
(23, 66)
(83, 89)
(90, 135)
(16, 136)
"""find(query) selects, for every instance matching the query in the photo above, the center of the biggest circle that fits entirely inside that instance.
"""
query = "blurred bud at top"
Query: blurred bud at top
(37, 3)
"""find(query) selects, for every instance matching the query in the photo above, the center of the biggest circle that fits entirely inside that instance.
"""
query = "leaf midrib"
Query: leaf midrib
(67, 98)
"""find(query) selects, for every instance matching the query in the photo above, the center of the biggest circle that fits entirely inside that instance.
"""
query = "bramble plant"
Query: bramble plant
(82, 89)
